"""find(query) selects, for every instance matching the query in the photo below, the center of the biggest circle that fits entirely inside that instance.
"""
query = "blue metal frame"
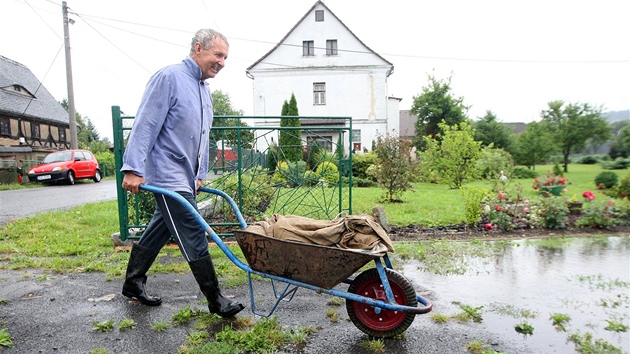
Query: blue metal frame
(288, 293)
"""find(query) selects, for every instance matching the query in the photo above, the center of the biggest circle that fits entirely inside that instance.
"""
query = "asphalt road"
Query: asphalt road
(15, 204)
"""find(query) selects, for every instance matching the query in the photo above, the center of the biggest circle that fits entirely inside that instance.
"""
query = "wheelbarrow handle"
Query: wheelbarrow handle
(176, 196)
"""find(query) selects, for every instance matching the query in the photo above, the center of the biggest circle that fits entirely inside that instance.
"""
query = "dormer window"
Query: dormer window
(308, 48)
(319, 15)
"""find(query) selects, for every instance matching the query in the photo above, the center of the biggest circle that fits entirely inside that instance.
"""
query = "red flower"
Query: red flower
(489, 226)
(588, 195)
(497, 208)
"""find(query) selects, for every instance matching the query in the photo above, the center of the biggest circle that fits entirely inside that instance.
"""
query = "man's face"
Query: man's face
(212, 60)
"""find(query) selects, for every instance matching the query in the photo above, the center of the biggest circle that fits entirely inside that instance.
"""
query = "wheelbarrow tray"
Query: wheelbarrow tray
(318, 265)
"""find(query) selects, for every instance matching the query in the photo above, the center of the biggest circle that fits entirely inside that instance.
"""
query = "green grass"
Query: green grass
(436, 204)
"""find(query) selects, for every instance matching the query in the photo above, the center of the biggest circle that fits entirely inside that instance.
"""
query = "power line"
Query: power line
(112, 43)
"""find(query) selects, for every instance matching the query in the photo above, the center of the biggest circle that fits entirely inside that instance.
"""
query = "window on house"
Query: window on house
(35, 131)
(319, 15)
(356, 135)
(331, 47)
(308, 48)
(62, 134)
(5, 127)
(325, 142)
(319, 93)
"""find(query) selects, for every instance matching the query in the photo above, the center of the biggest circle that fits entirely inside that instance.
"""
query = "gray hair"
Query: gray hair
(205, 36)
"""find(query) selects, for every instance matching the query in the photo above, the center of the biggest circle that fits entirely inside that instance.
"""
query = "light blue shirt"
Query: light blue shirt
(168, 144)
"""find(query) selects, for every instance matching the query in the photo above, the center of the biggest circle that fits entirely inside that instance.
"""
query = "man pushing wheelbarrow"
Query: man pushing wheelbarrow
(168, 148)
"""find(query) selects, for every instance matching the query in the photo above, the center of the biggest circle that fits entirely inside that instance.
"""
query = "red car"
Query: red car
(66, 166)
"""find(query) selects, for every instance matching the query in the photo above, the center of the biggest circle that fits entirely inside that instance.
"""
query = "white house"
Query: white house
(331, 72)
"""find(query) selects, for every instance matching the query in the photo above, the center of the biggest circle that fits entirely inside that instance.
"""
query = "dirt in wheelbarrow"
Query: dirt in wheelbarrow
(46, 313)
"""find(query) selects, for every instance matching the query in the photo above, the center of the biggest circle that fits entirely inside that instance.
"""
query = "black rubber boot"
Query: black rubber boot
(206, 277)
(140, 261)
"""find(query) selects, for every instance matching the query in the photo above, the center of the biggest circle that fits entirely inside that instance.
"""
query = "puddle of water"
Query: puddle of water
(585, 278)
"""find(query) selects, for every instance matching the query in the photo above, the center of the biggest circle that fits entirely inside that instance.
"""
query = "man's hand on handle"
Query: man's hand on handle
(131, 182)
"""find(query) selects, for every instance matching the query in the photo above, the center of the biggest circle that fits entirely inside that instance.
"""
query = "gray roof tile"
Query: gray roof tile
(44, 106)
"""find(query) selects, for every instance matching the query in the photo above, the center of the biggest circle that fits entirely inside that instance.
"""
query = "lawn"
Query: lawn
(435, 204)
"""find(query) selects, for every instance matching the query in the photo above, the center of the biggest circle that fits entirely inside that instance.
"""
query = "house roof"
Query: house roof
(300, 21)
(43, 106)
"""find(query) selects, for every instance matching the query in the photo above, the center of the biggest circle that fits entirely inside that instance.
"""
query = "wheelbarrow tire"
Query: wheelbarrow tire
(388, 323)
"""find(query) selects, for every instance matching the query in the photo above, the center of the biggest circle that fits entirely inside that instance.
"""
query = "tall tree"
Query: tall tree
(290, 141)
(534, 145)
(489, 130)
(436, 104)
(572, 125)
(222, 106)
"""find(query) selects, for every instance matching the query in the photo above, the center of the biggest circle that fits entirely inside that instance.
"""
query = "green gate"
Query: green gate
(248, 163)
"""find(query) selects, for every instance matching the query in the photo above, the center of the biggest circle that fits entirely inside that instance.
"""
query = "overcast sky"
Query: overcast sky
(510, 57)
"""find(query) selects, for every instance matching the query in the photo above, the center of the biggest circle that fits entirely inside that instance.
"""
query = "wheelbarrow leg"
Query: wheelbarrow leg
(206, 277)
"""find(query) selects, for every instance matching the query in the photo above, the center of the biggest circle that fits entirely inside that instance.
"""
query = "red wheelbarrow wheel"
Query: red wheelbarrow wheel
(387, 323)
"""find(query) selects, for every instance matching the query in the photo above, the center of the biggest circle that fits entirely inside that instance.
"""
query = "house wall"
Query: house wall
(355, 78)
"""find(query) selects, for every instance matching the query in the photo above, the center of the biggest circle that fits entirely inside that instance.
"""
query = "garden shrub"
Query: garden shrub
(473, 197)
(606, 179)
(600, 214)
(360, 164)
(589, 159)
(360, 182)
(106, 163)
(493, 161)
(328, 172)
(618, 164)
(272, 157)
(623, 189)
(552, 213)
(523, 172)
(292, 174)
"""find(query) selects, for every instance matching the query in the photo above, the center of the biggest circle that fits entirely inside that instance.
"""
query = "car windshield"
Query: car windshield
(58, 157)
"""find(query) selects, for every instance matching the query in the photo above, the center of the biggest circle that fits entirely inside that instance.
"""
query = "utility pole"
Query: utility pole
(74, 144)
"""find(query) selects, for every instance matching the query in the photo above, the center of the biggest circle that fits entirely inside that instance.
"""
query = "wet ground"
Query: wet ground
(54, 314)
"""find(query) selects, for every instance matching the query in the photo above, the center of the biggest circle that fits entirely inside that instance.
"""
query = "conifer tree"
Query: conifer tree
(290, 141)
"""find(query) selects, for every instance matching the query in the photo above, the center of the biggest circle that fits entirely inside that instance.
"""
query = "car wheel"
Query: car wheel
(97, 176)
(70, 178)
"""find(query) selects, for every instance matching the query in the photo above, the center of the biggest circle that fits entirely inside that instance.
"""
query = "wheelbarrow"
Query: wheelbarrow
(380, 302)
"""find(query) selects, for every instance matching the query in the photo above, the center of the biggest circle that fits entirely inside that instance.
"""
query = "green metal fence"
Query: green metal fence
(247, 163)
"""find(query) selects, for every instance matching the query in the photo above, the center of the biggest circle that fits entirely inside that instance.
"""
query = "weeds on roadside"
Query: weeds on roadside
(186, 315)
(160, 326)
(585, 344)
(373, 345)
(616, 326)
(5, 338)
(524, 328)
(439, 317)
(104, 326)
(98, 351)
(476, 347)
(559, 320)
(472, 313)
(126, 324)
(336, 301)
(332, 315)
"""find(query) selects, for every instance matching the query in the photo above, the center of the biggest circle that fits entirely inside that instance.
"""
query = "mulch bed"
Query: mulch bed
(479, 232)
